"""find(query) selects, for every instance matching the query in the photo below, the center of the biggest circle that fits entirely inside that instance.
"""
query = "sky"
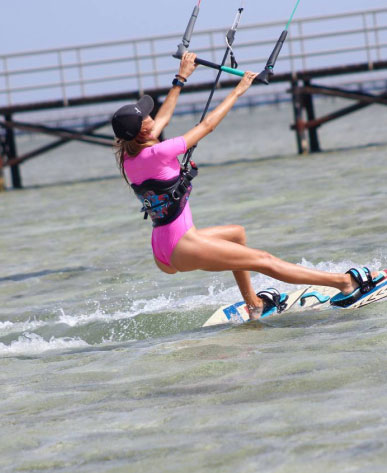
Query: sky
(27, 25)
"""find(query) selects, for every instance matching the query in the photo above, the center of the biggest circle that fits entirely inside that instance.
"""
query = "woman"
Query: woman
(155, 175)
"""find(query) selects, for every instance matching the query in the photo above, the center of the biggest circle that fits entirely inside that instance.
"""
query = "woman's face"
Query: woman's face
(147, 127)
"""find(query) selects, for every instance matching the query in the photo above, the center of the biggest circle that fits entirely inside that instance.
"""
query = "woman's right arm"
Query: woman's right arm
(212, 120)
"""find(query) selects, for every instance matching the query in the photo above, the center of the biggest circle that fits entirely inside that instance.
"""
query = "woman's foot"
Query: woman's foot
(256, 311)
(347, 286)
(267, 302)
(362, 282)
(350, 284)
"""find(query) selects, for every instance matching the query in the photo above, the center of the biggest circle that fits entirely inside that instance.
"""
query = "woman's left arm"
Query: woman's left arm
(187, 66)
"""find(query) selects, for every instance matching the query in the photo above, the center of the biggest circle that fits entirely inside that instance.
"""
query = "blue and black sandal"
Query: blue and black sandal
(363, 277)
(273, 301)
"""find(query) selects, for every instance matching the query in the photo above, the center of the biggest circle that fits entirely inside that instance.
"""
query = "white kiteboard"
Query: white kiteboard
(312, 297)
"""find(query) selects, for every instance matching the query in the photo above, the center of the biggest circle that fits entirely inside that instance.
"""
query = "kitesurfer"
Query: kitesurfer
(154, 171)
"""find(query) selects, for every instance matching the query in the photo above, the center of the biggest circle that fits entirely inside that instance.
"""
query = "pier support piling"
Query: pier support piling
(11, 152)
(302, 98)
(314, 145)
(297, 101)
(2, 180)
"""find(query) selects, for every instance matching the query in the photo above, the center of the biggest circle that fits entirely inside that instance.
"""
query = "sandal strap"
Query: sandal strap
(363, 277)
(272, 298)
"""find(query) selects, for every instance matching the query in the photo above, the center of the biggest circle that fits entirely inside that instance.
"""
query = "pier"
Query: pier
(318, 59)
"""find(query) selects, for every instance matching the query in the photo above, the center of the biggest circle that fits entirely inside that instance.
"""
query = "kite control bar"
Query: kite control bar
(219, 67)
(263, 77)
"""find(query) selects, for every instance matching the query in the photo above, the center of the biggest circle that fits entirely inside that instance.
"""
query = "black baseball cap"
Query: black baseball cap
(127, 120)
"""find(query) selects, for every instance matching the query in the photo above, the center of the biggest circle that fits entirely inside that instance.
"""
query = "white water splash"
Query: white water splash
(31, 343)
(10, 327)
(171, 303)
(84, 319)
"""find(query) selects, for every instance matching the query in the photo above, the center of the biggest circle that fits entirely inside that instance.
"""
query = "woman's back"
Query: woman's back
(156, 162)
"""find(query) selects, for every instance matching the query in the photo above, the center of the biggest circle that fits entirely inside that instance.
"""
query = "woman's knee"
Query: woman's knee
(239, 234)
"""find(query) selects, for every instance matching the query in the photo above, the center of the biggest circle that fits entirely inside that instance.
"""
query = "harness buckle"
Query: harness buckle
(175, 195)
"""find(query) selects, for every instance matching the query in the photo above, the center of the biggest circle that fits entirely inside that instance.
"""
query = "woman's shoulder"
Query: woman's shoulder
(165, 149)
(172, 146)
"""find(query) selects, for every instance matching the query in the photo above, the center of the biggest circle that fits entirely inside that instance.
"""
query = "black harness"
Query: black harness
(164, 201)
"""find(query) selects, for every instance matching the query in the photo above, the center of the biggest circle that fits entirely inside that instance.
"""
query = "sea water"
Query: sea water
(104, 365)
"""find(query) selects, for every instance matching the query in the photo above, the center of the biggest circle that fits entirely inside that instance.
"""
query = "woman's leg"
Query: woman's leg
(199, 251)
(235, 234)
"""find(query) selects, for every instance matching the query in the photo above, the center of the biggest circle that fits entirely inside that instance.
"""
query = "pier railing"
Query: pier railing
(146, 63)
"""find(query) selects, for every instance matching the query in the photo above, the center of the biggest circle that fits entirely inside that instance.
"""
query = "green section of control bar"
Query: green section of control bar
(230, 70)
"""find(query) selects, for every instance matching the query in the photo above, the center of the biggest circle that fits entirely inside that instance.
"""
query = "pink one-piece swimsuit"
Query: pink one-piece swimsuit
(160, 162)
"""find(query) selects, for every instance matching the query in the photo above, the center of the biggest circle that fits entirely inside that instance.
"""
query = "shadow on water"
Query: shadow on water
(87, 180)
(277, 157)
(37, 274)
(357, 147)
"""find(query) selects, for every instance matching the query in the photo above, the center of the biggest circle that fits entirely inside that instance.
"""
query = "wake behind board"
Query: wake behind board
(312, 297)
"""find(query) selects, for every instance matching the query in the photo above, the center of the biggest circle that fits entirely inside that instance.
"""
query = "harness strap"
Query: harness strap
(163, 199)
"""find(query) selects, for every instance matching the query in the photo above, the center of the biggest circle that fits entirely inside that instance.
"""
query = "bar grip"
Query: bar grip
(218, 67)
(210, 64)
(203, 62)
